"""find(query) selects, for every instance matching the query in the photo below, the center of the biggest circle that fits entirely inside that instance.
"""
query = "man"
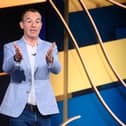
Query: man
(29, 99)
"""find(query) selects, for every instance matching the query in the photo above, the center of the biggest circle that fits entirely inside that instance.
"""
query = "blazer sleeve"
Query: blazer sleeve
(9, 65)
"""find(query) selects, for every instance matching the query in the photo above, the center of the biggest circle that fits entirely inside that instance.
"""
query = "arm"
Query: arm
(9, 63)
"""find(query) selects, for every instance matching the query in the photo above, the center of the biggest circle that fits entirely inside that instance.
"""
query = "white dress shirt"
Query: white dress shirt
(32, 55)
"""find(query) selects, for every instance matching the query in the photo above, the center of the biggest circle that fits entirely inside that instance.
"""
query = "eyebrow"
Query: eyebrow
(28, 18)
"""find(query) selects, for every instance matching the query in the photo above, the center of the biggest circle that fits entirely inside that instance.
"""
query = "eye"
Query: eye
(38, 21)
(28, 21)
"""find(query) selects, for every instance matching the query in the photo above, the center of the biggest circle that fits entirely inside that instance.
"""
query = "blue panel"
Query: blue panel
(120, 32)
(107, 19)
(91, 110)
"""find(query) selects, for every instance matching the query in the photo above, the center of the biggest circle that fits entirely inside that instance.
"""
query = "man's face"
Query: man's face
(31, 24)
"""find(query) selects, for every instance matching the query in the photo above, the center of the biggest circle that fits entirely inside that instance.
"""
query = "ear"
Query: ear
(21, 25)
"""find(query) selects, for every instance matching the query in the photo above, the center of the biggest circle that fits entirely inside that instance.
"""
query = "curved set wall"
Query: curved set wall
(110, 21)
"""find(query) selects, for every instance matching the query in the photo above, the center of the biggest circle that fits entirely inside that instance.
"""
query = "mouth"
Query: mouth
(33, 30)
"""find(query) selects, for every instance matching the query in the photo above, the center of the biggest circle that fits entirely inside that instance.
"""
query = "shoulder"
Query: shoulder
(11, 43)
(45, 43)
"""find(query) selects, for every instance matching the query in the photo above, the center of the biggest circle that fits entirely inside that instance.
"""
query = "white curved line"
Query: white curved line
(70, 120)
(117, 3)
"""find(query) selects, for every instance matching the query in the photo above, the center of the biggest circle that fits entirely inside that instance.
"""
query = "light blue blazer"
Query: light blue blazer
(16, 96)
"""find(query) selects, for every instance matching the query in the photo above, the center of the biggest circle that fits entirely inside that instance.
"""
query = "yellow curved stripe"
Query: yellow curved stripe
(11, 3)
(91, 4)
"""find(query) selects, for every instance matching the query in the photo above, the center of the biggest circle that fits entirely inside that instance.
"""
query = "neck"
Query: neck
(31, 41)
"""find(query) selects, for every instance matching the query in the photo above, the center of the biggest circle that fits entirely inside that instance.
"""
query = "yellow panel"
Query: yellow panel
(75, 6)
(10, 3)
(97, 66)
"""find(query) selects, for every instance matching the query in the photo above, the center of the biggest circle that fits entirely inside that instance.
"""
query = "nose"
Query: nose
(33, 24)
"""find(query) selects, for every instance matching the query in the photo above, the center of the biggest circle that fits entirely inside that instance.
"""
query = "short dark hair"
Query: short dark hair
(26, 10)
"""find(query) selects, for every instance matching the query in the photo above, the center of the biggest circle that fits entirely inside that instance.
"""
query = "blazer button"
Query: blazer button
(27, 92)
(29, 80)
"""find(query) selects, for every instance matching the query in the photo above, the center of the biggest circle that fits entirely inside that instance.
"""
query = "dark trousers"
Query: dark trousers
(30, 117)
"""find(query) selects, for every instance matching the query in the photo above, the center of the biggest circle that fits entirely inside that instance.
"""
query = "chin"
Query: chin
(34, 36)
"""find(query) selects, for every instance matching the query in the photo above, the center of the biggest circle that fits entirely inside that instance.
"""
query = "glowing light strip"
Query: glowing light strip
(117, 3)
(3, 74)
(71, 120)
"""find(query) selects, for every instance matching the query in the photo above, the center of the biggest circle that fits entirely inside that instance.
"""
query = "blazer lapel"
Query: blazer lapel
(40, 57)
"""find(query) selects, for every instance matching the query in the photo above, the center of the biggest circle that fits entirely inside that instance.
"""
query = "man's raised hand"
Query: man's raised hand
(18, 55)
(49, 54)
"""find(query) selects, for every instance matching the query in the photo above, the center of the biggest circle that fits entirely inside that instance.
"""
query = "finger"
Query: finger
(50, 50)
(52, 47)
(15, 46)
(17, 50)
